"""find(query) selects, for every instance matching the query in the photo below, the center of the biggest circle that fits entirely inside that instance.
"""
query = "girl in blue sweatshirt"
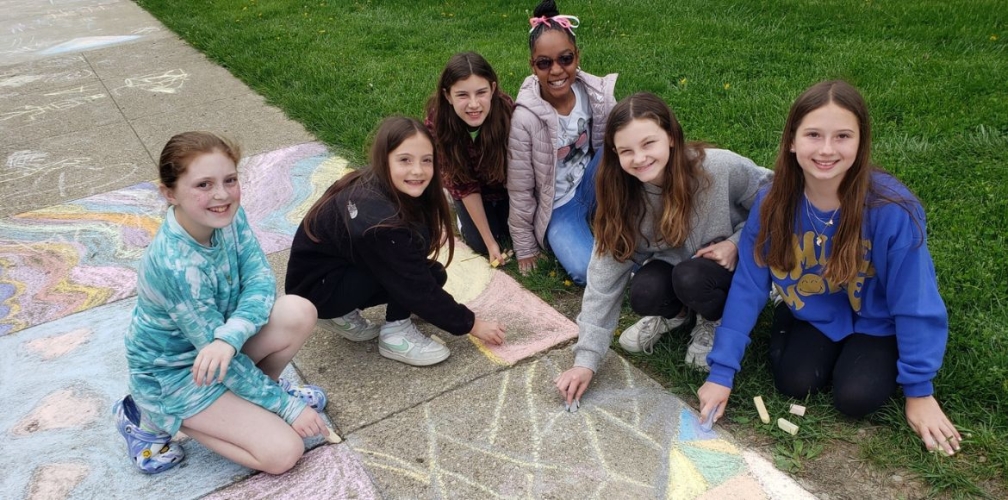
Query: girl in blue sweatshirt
(844, 246)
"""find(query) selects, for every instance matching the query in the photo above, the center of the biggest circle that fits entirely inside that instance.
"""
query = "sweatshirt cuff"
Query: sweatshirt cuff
(463, 329)
(721, 375)
(918, 390)
(588, 359)
(291, 411)
(235, 332)
(735, 237)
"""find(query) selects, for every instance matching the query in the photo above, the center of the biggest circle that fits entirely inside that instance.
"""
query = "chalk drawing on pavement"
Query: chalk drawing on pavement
(530, 438)
(168, 82)
(71, 257)
(88, 43)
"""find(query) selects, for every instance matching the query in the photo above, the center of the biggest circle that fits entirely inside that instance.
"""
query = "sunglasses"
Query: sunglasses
(545, 63)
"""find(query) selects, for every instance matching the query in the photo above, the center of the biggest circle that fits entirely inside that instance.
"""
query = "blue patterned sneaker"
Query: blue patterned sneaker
(150, 452)
(312, 395)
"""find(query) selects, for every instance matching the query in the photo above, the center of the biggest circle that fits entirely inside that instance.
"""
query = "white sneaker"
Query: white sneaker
(644, 333)
(702, 340)
(352, 326)
(401, 341)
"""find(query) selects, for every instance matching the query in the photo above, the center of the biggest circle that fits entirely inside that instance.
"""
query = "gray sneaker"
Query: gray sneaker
(701, 342)
(642, 336)
(401, 341)
(352, 326)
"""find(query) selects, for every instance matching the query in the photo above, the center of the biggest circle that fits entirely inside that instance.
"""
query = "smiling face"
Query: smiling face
(826, 145)
(206, 196)
(556, 80)
(643, 149)
(411, 165)
(471, 99)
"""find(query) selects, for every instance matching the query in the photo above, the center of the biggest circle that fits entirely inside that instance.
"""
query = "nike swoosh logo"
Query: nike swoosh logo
(402, 346)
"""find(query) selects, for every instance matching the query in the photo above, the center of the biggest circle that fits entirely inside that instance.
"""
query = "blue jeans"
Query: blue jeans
(569, 232)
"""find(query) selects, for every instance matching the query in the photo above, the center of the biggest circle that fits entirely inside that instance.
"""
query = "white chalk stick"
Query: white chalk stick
(708, 424)
(437, 339)
(797, 410)
(333, 437)
(787, 426)
(761, 408)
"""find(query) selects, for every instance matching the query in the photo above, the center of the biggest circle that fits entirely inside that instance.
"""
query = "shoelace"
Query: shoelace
(414, 336)
(705, 334)
(647, 342)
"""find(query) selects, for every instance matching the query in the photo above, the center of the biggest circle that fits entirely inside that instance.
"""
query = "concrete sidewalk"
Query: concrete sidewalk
(90, 90)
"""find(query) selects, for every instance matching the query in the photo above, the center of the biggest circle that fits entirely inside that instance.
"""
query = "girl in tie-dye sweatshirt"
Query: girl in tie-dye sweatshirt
(208, 339)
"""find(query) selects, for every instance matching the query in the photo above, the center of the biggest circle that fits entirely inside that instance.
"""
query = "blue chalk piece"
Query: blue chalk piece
(708, 424)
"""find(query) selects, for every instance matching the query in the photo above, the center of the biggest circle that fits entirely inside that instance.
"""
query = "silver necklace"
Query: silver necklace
(820, 237)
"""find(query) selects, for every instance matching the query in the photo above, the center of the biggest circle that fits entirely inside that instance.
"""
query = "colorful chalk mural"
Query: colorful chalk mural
(69, 258)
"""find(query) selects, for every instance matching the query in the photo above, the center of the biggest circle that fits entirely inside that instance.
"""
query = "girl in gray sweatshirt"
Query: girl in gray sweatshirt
(668, 222)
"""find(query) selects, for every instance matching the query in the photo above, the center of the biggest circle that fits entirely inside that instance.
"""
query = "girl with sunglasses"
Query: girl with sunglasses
(555, 146)
(469, 117)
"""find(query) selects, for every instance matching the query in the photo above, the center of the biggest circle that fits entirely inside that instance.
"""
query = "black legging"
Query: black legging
(661, 289)
(497, 218)
(357, 289)
(861, 368)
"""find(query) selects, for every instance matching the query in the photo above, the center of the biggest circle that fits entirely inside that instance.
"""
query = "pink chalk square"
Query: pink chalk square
(326, 472)
(532, 325)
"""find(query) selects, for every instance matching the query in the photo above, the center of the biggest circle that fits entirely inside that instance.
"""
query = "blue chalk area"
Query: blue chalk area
(690, 427)
(95, 369)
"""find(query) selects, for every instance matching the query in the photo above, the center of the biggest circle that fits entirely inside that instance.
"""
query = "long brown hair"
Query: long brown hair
(452, 133)
(621, 196)
(774, 241)
(430, 209)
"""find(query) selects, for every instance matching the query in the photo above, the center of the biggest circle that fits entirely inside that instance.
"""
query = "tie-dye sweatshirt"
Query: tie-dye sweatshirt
(189, 295)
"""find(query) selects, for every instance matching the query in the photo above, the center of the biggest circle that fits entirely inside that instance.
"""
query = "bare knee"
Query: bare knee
(284, 457)
(297, 313)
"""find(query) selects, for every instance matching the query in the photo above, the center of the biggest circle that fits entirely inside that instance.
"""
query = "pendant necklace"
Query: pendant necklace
(813, 217)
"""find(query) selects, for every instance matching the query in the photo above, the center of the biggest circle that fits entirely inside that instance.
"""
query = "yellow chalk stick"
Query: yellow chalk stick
(797, 410)
(761, 408)
(787, 426)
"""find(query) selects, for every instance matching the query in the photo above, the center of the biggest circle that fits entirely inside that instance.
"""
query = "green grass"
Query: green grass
(933, 72)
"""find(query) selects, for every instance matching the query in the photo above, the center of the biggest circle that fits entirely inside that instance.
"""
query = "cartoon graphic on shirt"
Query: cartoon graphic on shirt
(576, 152)
(805, 279)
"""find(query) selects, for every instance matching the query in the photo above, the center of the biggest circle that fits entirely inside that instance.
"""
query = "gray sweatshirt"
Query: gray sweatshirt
(720, 212)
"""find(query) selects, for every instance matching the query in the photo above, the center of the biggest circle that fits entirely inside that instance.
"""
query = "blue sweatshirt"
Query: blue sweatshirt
(895, 292)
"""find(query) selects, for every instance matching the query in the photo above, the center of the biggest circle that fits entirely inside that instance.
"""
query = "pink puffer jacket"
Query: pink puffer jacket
(531, 174)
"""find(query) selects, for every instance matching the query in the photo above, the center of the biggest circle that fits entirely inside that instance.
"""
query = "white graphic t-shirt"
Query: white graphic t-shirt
(573, 147)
